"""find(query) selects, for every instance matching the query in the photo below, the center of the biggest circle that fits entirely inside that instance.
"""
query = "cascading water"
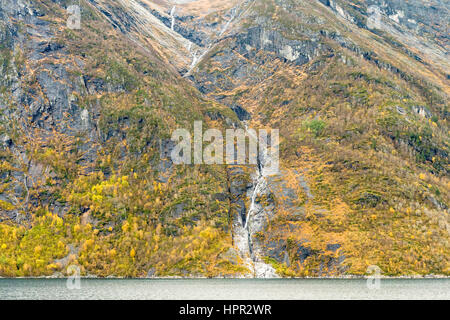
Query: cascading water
(233, 16)
(253, 220)
(245, 227)
(259, 180)
(196, 58)
(172, 17)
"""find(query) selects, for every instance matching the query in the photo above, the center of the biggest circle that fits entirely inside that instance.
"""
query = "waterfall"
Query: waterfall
(260, 182)
(172, 17)
(253, 220)
(198, 58)
(245, 227)
(233, 16)
(195, 60)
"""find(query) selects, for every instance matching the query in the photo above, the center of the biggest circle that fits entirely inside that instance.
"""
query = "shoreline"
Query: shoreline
(238, 278)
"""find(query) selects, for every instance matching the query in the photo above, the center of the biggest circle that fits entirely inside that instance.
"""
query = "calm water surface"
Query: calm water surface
(227, 289)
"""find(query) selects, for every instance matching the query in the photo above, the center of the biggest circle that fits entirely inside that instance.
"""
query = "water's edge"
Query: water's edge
(350, 277)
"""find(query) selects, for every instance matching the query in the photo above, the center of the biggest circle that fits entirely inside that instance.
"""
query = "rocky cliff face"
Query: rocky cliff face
(311, 69)
(358, 89)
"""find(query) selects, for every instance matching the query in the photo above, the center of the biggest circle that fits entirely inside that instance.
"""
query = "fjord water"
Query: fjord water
(228, 289)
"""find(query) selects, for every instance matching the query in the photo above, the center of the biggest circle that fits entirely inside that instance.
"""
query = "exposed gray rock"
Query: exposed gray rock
(259, 38)
(400, 110)
(422, 111)
(5, 141)
(242, 114)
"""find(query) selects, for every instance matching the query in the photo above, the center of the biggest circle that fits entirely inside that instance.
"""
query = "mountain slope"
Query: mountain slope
(363, 118)
(85, 114)
(358, 89)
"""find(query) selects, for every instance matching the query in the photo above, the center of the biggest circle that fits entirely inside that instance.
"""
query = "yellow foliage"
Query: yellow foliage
(37, 250)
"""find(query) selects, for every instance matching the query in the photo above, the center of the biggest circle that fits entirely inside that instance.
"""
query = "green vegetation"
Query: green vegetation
(368, 174)
(376, 169)
(125, 214)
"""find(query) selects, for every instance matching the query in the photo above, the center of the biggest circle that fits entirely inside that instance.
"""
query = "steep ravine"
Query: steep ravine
(198, 55)
(247, 226)
(362, 116)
